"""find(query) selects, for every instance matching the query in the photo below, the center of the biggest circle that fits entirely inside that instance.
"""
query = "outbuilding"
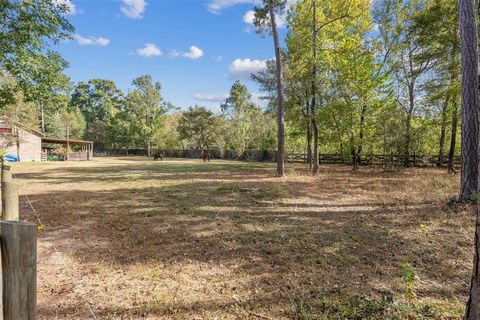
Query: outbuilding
(24, 144)
(21, 143)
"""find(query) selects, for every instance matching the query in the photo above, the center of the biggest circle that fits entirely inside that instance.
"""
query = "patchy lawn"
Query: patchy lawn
(183, 239)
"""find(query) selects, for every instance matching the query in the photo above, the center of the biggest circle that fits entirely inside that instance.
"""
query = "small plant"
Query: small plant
(408, 275)
(63, 152)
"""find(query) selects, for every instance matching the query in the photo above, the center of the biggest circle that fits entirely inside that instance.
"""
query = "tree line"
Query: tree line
(357, 78)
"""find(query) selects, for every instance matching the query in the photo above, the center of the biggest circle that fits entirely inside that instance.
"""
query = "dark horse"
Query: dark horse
(206, 157)
(158, 156)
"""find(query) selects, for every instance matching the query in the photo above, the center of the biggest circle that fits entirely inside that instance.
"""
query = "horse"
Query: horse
(158, 156)
(206, 157)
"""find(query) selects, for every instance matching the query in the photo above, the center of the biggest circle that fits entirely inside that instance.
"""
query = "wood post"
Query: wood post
(10, 206)
(6, 174)
(19, 270)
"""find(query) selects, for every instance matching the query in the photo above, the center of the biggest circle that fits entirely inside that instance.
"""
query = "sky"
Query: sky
(195, 48)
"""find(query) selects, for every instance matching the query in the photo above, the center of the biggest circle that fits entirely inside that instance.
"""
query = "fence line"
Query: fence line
(418, 160)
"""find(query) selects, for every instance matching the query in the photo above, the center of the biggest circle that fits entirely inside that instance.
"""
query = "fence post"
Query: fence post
(6, 174)
(10, 206)
(19, 270)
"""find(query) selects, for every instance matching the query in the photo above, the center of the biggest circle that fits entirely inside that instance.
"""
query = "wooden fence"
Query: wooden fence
(418, 160)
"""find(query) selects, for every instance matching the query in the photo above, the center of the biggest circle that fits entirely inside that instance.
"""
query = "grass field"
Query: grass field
(183, 239)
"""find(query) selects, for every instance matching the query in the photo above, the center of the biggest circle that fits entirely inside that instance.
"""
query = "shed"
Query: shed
(22, 142)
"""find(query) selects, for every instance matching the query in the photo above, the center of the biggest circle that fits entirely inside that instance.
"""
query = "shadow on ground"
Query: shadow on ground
(226, 240)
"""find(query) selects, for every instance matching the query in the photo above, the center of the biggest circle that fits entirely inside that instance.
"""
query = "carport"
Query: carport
(83, 150)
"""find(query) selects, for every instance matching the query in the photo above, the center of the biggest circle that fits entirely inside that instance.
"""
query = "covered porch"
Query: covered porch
(82, 150)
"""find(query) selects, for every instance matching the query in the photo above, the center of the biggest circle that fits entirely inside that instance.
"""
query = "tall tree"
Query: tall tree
(470, 108)
(470, 100)
(437, 30)
(265, 18)
(27, 28)
(46, 81)
(238, 108)
(197, 127)
(321, 34)
(147, 108)
(395, 28)
(99, 100)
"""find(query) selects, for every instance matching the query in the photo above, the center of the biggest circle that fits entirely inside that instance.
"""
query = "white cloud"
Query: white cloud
(243, 68)
(249, 17)
(91, 41)
(133, 8)
(149, 50)
(194, 53)
(216, 6)
(72, 9)
(210, 97)
(174, 53)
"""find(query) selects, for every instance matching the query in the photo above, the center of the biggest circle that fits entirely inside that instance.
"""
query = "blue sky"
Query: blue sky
(195, 48)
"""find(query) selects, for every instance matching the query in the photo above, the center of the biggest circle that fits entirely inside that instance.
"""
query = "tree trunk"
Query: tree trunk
(279, 74)
(314, 93)
(309, 145)
(470, 104)
(470, 100)
(17, 141)
(442, 134)
(361, 135)
(352, 147)
(453, 139)
(406, 148)
(42, 108)
(408, 125)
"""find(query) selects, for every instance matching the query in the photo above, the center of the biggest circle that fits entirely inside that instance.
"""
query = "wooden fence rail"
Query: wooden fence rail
(419, 160)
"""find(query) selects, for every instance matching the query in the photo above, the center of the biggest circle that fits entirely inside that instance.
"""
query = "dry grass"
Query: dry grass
(185, 239)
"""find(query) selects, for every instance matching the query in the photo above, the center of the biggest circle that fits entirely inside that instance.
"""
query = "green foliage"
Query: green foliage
(27, 28)
(408, 275)
(63, 151)
(147, 109)
(197, 127)
(99, 101)
(247, 126)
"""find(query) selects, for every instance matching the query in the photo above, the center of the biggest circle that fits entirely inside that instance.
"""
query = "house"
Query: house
(21, 142)
(32, 145)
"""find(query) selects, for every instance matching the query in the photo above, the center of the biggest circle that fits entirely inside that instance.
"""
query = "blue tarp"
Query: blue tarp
(10, 158)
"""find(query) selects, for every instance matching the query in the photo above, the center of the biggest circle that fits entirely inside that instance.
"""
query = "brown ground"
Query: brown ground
(183, 239)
